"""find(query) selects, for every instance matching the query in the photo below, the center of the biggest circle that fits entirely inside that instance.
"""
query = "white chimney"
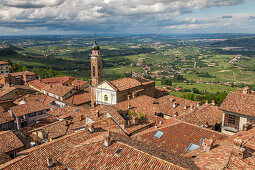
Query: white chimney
(213, 102)
(107, 140)
(49, 162)
(91, 128)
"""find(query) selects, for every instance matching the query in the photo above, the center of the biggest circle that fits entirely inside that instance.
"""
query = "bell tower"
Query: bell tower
(96, 62)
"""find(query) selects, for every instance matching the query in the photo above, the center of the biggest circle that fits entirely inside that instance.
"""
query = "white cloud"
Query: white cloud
(109, 14)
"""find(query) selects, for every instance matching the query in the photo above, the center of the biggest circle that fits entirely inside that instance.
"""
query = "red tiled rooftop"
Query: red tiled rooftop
(177, 135)
(57, 80)
(239, 103)
(9, 141)
(58, 89)
(204, 115)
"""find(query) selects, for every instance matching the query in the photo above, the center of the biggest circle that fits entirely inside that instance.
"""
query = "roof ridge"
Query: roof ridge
(148, 154)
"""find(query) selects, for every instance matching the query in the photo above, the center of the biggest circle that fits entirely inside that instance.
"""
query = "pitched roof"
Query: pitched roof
(6, 90)
(36, 157)
(9, 141)
(141, 104)
(54, 130)
(79, 99)
(132, 155)
(58, 89)
(222, 154)
(57, 80)
(128, 83)
(239, 103)
(3, 62)
(79, 83)
(5, 117)
(178, 135)
(25, 109)
(35, 99)
(167, 106)
(37, 84)
(204, 115)
(23, 73)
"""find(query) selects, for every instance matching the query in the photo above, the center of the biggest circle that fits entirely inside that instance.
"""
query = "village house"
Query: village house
(59, 92)
(27, 114)
(18, 78)
(4, 67)
(238, 111)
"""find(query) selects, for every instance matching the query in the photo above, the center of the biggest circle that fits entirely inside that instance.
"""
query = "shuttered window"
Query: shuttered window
(231, 121)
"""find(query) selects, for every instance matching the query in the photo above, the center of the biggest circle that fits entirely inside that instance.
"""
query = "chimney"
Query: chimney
(91, 128)
(156, 121)
(97, 113)
(207, 144)
(246, 90)
(129, 97)
(238, 150)
(176, 114)
(107, 139)
(213, 102)
(198, 104)
(81, 117)
(172, 100)
(174, 105)
(206, 102)
(49, 163)
(185, 107)
(67, 123)
(191, 107)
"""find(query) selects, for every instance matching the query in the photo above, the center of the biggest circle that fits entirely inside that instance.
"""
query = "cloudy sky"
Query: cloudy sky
(26, 17)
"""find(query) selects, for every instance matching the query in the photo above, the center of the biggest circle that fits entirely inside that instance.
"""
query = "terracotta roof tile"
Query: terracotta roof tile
(37, 84)
(25, 109)
(133, 155)
(239, 103)
(58, 89)
(204, 115)
(36, 157)
(177, 135)
(128, 83)
(58, 80)
(9, 141)
(5, 117)
(166, 105)
(79, 99)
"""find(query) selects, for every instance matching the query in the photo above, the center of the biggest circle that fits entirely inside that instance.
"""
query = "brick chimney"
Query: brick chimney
(238, 150)
(213, 102)
(206, 102)
(81, 117)
(107, 139)
(207, 144)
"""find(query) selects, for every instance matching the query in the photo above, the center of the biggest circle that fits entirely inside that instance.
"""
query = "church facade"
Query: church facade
(113, 92)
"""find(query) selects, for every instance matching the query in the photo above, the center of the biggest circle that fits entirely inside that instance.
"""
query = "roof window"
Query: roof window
(159, 134)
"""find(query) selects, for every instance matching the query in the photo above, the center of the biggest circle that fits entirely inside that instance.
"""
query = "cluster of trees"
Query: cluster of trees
(218, 97)
(41, 72)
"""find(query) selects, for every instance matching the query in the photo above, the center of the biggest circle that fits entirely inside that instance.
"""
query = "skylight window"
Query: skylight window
(159, 134)
(77, 110)
(192, 147)
(117, 152)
